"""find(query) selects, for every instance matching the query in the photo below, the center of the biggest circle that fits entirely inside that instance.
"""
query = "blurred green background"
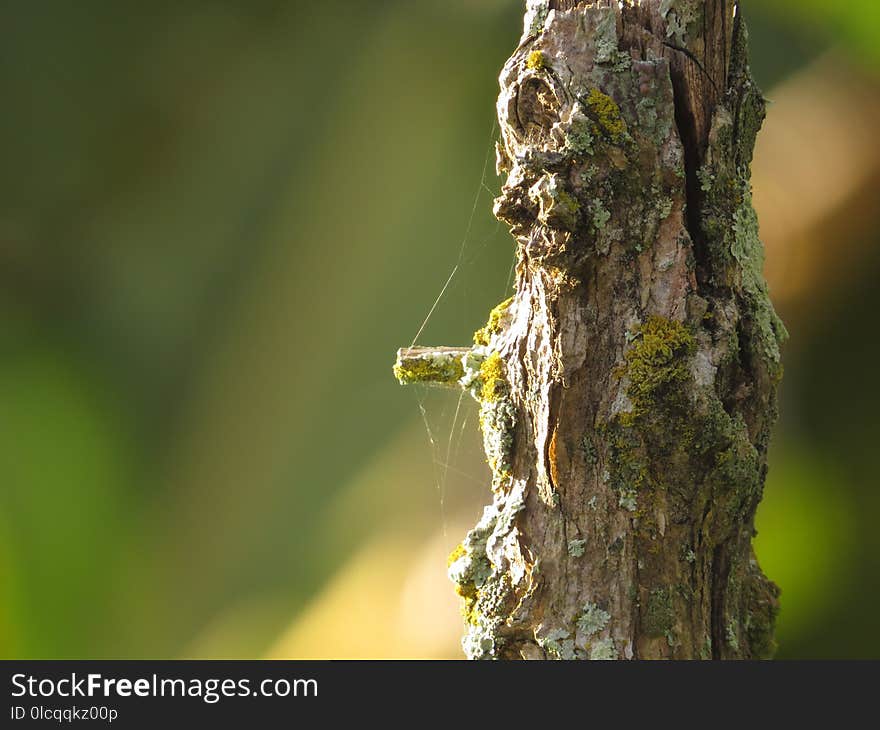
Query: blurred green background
(218, 222)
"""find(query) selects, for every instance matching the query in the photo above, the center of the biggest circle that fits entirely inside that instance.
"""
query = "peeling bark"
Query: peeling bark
(628, 389)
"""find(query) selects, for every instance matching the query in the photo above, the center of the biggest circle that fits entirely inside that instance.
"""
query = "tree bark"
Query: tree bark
(628, 389)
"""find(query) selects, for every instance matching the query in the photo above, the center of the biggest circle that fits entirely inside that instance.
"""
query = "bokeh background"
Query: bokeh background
(219, 220)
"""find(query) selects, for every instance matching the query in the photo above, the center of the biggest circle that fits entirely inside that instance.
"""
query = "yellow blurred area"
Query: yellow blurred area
(816, 164)
(387, 603)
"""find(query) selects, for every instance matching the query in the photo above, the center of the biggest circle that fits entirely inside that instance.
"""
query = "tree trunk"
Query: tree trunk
(628, 389)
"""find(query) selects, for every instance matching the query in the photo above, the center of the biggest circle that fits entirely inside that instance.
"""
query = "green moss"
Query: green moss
(429, 369)
(737, 465)
(730, 635)
(706, 649)
(606, 115)
(658, 615)
(576, 548)
(566, 210)
(657, 360)
(589, 450)
(627, 472)
(536, 61)
(763, 608)
(494, 326)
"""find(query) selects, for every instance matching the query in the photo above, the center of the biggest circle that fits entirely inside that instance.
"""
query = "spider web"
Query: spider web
(446, 436)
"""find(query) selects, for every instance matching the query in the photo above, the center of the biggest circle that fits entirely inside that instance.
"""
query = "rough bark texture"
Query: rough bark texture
(628, 388)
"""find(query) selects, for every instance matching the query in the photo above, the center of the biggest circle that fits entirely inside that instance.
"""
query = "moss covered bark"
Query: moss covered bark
(633, 377)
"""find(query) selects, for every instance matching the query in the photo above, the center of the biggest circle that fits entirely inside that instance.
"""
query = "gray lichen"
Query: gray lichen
(578, 135)
(731, 224)
(679, 16)
(592, 620)
(628, 500)
(535, 17)
(481, 582)
(606, 37)
(558, 645)
(576, 548)
(471, 363)
(601, 215)
(603, 650)
(748, 250)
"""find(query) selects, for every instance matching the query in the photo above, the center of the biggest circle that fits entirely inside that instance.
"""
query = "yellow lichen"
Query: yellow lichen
(536, 61)
(469, 611)
(494, 381)
(658, 359)
(455, 555)
(445, 370)
(483, 335)
(655, 357)
(466, 590)
(606, 113)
